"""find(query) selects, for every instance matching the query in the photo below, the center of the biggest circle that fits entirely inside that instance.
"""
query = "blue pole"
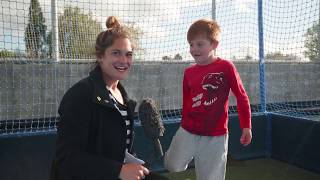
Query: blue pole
(263, 108)
(261, 59)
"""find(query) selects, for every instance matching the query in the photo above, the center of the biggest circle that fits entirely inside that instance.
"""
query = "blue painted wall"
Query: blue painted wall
(28, 157)
(296, 141)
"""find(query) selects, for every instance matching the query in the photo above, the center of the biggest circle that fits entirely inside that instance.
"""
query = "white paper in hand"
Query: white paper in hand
(129, 158)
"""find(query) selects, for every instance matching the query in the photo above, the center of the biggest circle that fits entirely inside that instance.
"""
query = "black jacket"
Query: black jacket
(91, 136)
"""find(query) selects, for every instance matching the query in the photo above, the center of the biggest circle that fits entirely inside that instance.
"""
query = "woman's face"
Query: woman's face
(116, 61)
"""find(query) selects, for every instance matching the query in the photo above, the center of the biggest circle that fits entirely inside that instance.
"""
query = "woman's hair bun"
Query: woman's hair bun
(112, 22)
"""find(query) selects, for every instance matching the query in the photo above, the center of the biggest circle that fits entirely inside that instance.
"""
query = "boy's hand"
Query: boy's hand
(246, 136)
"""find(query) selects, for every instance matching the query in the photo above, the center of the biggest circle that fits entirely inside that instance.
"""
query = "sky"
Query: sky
(165, 22)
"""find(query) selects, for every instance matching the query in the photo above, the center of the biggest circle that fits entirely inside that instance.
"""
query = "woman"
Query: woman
(96, 116)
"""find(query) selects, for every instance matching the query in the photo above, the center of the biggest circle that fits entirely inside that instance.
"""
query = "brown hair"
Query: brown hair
(208, 28)
(106, 38)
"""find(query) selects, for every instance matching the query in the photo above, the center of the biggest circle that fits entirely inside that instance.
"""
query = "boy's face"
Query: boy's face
(202, 50)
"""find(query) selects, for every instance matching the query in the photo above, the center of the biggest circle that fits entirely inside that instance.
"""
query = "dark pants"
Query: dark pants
(155, 176)
(151, 176)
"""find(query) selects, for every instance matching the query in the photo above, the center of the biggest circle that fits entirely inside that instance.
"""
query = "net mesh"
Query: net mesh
(34, 74)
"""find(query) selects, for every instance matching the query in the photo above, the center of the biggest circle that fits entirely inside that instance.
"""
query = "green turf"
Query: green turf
(257, 169)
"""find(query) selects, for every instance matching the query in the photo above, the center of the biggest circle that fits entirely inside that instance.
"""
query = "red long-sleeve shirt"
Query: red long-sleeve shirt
(205, 98)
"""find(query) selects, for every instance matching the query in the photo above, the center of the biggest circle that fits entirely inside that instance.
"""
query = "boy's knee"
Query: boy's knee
(172, 165)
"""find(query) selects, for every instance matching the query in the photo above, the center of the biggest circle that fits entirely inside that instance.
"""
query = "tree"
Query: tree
(35, 32)
(178, 57)
(136, 33)
(312, 42)
(7, 54)
(77, 34)
(166, 58)
(279, 56)
(248, 57)
(274, 56)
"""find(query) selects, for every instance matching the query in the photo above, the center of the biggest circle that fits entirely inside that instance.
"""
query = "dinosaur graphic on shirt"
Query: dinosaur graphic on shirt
(211, 83)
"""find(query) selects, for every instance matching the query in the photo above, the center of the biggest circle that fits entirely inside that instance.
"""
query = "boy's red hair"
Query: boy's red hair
(205, 27)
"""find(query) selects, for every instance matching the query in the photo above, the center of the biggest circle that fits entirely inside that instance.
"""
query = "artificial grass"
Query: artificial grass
(256, 169)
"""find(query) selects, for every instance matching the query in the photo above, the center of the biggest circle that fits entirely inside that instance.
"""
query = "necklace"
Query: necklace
(116, 94)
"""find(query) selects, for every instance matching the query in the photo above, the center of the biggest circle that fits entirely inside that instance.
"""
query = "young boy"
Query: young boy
(203, 134)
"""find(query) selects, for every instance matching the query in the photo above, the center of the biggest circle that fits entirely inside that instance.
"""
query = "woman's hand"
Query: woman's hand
(133, 172)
